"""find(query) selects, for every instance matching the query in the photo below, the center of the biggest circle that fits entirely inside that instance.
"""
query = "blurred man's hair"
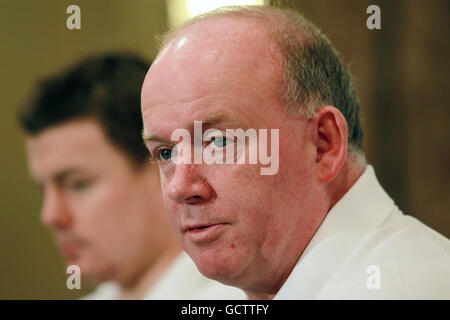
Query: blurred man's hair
(105, 88)
(313, 73)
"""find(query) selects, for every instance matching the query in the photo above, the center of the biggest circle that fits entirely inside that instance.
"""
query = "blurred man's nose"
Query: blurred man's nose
(188, 186)
(54, 213)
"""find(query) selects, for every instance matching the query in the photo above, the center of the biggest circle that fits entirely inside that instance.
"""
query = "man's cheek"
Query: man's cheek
(174, 218)
(170, 206)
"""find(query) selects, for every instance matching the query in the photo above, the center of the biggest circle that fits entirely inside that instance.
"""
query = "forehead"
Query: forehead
(219, 65)
(76, 144)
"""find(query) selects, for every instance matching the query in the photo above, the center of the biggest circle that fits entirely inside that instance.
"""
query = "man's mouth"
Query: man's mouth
(204, 233)
(70, 247)
(70, 250)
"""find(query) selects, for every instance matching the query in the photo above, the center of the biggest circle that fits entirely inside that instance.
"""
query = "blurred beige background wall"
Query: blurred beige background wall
(401, 73)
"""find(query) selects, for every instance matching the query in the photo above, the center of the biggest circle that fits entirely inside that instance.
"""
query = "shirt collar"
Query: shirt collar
(362, 209)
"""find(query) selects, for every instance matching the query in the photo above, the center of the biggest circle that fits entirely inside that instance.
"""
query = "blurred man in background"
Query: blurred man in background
(102, 197)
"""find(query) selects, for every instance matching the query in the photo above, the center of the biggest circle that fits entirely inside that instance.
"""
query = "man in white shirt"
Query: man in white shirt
(316, 226)
(179, 280)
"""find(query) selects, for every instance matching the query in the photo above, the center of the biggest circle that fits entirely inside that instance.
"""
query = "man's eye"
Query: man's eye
(78, 185)
(220, 142)
(164, 154)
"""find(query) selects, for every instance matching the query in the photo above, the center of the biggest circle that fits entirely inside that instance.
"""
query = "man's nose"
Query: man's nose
(54, 213)
(188, 186)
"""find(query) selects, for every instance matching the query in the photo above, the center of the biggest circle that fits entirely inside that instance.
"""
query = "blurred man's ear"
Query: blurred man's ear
(330, 138)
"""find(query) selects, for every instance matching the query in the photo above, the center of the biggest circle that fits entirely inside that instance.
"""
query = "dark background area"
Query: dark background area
(401, 74)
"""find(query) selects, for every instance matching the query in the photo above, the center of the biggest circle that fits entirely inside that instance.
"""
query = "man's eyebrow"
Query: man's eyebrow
(209, 121)
(58, 176)
(67, 172)
(146, 136)
(220, 117)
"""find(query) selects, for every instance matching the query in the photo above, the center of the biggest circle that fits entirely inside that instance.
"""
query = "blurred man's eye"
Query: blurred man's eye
(78, 185)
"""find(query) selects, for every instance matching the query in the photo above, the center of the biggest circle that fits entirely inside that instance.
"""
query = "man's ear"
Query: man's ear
(330, 138)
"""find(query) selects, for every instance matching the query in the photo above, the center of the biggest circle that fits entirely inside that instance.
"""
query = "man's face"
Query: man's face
(235, 223)
(102, 211)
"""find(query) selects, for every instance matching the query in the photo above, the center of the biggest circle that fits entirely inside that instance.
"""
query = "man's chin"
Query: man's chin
(216, 267)
(91, 272)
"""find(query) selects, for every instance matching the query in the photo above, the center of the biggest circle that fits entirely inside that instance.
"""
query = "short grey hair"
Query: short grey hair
(313, 72)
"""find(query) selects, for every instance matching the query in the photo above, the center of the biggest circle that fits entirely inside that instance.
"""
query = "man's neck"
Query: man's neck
(346, 178)
(260, 297)
(139, 288)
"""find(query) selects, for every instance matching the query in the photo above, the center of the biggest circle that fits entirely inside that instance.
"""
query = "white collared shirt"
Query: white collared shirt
(366, 248)
(181, 281)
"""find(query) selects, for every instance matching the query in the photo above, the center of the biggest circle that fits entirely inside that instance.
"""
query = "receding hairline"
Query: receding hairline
(270, 22)
(267, 16)
(273, 21)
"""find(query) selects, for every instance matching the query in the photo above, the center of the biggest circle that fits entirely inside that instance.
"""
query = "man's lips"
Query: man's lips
(70, 248)
(204, 232)
(193, 227)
